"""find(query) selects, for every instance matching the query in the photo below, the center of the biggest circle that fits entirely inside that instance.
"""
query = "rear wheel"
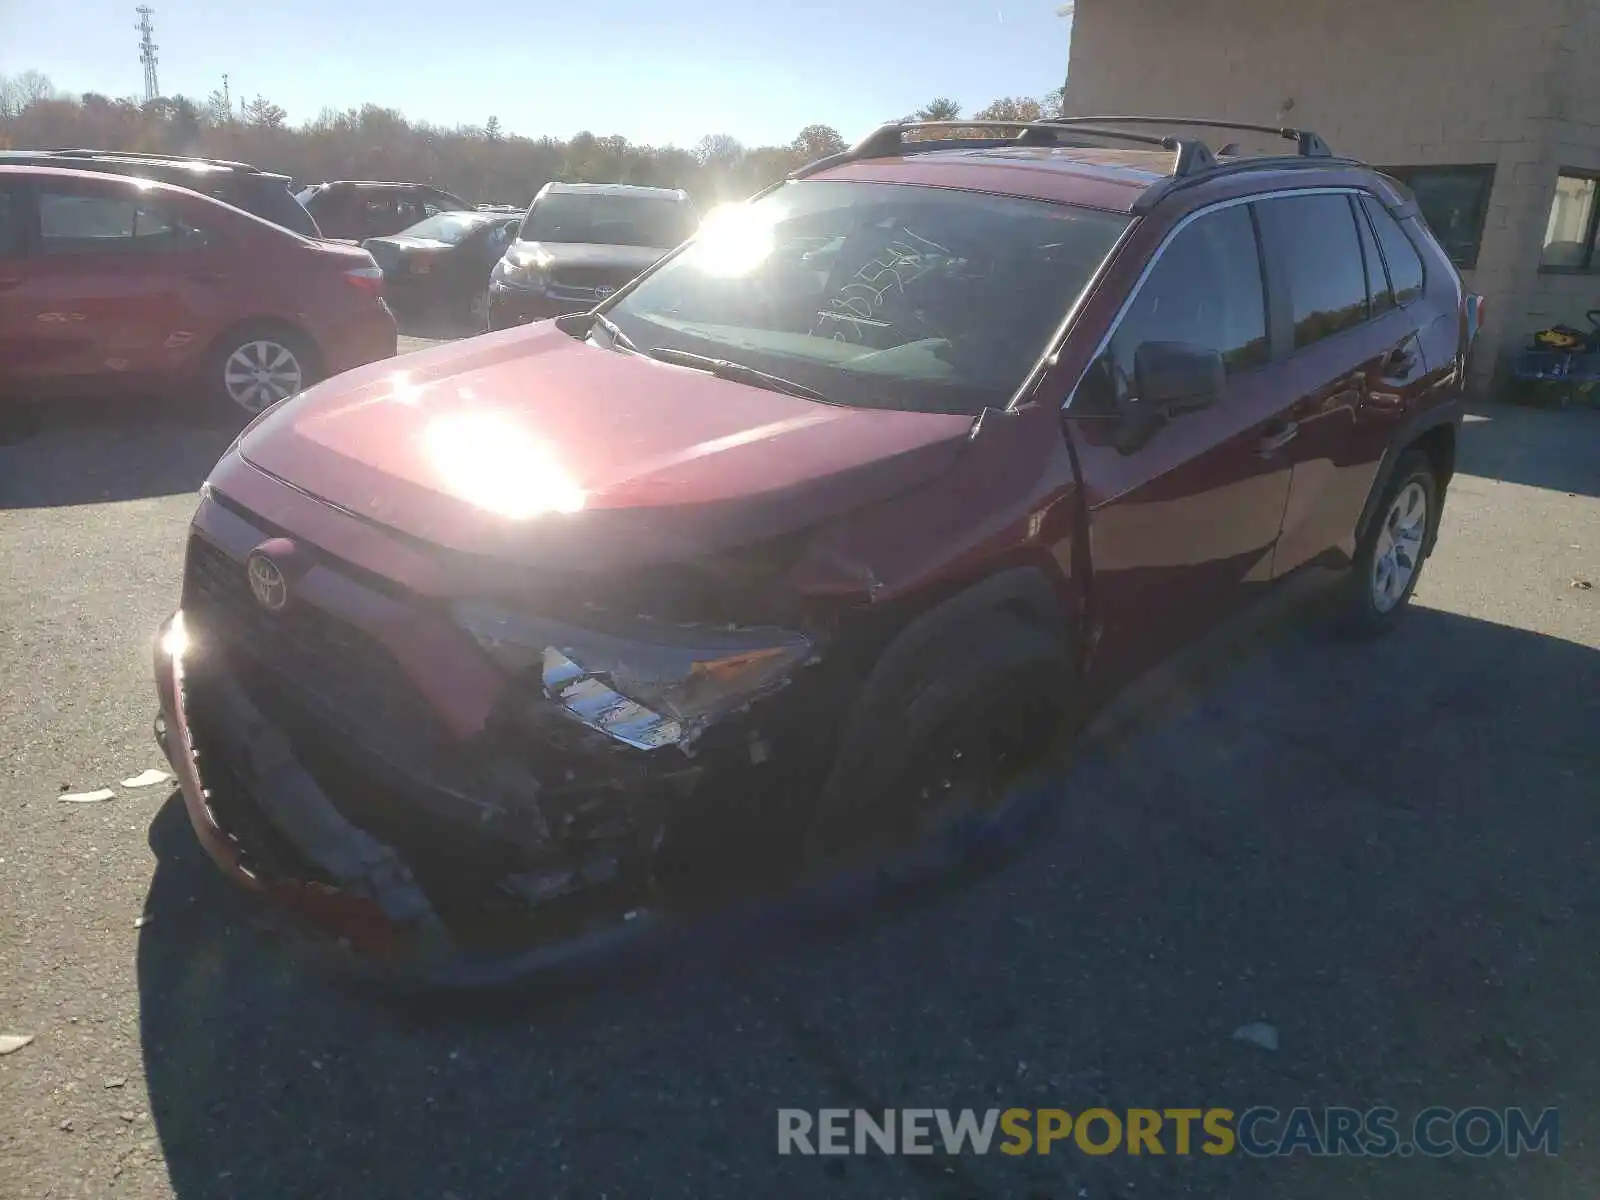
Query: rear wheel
(1389, 559)
(253, 369)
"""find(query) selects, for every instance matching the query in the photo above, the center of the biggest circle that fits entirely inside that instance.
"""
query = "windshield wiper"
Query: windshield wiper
(618, 338)
(735, 372)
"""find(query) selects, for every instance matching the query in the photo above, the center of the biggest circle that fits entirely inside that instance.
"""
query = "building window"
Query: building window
(1455, 204)
(1569, 236)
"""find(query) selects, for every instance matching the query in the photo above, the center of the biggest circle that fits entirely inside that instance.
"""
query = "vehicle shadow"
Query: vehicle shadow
(1384, 850)
(91, 452)
(1545, 448)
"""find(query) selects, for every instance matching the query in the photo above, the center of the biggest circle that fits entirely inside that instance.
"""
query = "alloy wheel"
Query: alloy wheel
(260, 373)
(1398, 552)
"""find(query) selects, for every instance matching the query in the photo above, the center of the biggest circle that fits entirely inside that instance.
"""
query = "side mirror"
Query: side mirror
(513, 230)
(1176, 377)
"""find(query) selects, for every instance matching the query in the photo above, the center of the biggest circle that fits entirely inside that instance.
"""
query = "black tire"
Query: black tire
(475, 313)
(259, 344)
(978, 715)
(1376, 597)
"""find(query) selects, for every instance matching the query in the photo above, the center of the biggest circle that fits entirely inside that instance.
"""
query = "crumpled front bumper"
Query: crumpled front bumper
(335, 889)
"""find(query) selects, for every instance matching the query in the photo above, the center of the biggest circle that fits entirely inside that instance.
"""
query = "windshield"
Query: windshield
(608, 220)
(449, 227)
(876, 294)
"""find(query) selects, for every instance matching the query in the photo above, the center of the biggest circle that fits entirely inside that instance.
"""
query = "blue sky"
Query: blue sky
(650, 71)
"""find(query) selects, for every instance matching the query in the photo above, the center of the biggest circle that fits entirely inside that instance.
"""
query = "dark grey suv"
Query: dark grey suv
(261, 193)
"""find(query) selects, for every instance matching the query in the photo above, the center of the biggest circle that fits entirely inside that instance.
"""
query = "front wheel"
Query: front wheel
(1389, 558)
(933, 777)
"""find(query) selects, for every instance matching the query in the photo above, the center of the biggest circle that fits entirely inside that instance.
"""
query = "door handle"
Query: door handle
(1401, 359)
(1280, 435)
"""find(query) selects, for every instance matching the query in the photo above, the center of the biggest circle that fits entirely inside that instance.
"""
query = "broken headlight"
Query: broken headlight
(652, 685)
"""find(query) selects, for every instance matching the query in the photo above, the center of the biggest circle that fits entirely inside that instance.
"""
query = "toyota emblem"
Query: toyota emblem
(267, 582)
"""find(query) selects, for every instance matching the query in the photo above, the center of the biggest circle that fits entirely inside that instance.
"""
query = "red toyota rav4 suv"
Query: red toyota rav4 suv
(786, 550)
(112, 281)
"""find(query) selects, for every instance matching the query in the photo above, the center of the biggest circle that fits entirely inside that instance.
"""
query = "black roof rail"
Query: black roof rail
(889, 140)
(80, 152)
(1310, 144)
(1163, 188)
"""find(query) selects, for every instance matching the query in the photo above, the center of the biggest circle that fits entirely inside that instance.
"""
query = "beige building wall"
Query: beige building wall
(1393, 82)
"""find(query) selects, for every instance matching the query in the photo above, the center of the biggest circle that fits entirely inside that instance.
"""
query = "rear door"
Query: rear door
(1354, 362)
(1182, 525)
(120, 283)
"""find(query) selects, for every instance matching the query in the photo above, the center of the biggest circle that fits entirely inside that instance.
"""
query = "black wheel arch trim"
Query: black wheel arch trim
(264, 322)
(1024, 595)
(1405, 440)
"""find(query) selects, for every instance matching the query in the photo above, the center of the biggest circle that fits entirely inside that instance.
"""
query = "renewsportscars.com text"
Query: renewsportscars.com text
(1259, 1132)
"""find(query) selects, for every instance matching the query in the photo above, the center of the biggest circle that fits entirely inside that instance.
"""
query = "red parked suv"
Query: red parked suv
(787, 552)
(110, 281)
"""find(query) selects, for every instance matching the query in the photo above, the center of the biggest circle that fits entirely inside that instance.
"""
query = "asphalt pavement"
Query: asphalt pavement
(1384, 851)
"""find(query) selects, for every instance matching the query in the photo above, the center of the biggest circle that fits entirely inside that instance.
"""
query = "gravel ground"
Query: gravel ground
(1384, 851)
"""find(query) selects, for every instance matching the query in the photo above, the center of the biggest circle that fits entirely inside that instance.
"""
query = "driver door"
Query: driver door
(1183, 519)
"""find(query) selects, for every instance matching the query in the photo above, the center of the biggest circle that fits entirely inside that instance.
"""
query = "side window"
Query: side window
(1322, 258)
(10, 224)
(78, 224)
(1405, 264)
(1205, 291)
(408, 211)
(378, 212)
(1378, 293)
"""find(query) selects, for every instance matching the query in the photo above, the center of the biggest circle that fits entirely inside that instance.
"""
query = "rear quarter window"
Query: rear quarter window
(1405, 264)
(275, 203)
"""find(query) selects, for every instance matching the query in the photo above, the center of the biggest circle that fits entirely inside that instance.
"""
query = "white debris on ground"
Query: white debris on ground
(1257, 1033)
(10, 1043)
(147, 778)
(98, 796)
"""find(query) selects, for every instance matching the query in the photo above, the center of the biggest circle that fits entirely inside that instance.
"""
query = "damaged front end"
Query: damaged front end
(622, 771)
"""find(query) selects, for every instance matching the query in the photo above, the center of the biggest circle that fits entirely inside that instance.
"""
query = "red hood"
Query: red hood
(534, 445)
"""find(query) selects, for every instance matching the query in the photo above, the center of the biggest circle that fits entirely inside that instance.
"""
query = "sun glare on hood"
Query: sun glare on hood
(491, 461)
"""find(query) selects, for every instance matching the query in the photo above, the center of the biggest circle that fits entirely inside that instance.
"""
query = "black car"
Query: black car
(582, 241)
(440, 266)
(363, 208)
(260, 193)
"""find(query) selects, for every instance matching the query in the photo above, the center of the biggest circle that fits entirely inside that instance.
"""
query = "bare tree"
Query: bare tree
(376, 142)
(19, 93)
(719, 150)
